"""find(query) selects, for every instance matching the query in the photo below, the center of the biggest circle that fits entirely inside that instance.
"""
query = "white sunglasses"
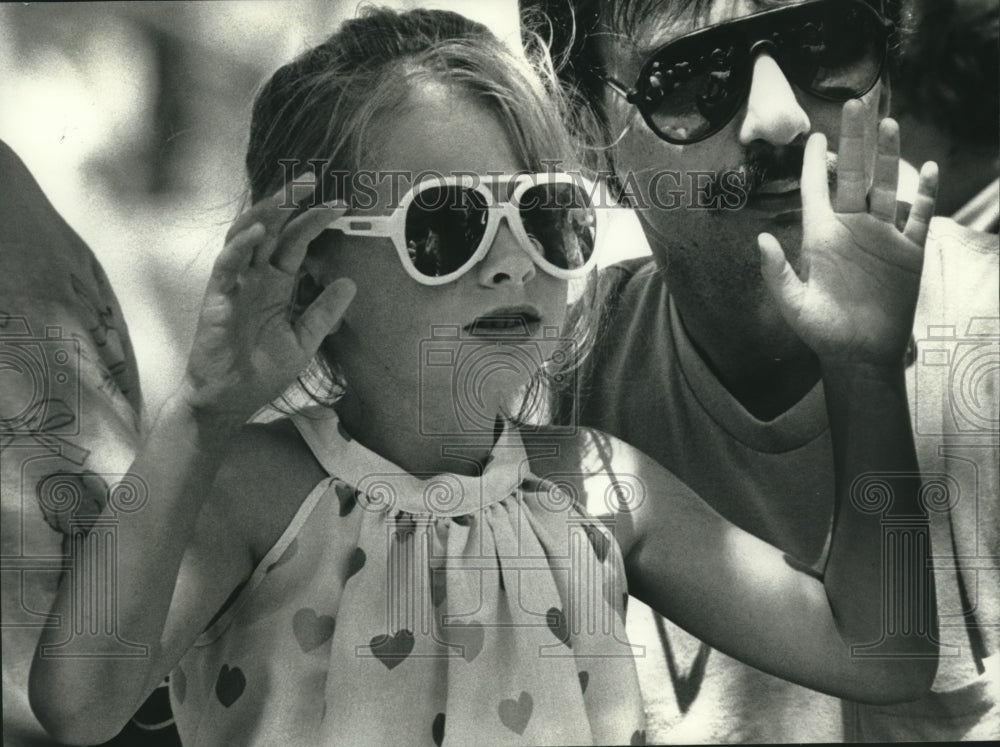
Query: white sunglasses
(444, 226)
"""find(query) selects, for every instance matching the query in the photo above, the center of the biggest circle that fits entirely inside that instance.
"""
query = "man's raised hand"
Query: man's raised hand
(857, 293)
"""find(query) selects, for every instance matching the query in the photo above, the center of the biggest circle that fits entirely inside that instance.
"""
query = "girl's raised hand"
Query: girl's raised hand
(860, 277)
(248, 348)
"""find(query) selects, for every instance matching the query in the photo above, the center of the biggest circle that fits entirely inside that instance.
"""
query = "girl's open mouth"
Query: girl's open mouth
(512, 321)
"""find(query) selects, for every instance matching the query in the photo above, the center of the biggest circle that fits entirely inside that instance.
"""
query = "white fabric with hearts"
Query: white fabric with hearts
(428, 609)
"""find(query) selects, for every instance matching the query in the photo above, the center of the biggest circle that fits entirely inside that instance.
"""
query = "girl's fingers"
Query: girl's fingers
(294, 241)
(815, 180)
(324, 314)
(852, 190)
(235, 257)
(780, 278)
(923, 206)
(882, 200)
(273, 213)
(276, 212)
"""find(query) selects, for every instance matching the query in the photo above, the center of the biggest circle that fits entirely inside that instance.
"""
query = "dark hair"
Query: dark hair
(947, 72)
(570, 27)
(322, 106)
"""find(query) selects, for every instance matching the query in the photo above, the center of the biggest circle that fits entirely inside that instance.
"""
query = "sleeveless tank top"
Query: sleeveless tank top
(420, 609)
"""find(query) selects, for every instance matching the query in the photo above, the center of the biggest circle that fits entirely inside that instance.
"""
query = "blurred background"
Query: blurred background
(133, 117)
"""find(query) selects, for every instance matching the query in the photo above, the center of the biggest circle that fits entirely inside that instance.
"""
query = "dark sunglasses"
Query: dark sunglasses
(443, 227)
(693, 86)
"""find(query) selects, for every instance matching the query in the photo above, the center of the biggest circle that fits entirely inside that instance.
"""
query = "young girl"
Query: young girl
(411, 563)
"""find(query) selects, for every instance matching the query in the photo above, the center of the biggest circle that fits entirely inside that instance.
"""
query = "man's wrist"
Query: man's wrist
(850, 385)
(854, 370)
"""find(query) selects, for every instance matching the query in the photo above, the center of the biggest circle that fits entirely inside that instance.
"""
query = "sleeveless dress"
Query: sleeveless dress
(421, 609)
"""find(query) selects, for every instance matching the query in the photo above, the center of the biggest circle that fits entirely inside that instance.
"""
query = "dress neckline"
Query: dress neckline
(384, 486)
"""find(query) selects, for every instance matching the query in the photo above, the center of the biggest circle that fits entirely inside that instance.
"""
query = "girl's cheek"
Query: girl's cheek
(552, 298)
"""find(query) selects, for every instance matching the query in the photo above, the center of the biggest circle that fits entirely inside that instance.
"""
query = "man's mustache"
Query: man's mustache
(764, 163)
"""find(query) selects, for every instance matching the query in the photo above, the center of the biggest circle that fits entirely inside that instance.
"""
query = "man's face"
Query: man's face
(712, 254)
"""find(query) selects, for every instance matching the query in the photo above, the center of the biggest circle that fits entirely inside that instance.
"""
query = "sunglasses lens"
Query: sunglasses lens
(561, 219)
(691, 89)
(835, 52)
(444, 227)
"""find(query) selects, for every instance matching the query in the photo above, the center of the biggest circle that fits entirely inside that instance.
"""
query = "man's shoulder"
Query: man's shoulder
(633, 273)
(948, 236)
(630, 340)
(961, 276)
(628, 289)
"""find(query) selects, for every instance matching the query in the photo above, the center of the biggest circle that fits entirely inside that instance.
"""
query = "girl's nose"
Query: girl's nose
(773, 113)
(506, 262)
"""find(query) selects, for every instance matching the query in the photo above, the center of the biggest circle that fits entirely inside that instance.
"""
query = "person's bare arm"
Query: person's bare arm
(866, 630)
(178, 550)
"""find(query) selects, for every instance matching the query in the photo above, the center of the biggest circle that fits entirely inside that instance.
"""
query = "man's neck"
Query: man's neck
(768, 373)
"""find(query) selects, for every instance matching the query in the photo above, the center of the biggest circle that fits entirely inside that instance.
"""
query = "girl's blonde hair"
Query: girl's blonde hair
(325, 106)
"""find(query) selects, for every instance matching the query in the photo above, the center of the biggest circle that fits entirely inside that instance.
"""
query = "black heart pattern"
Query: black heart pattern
(556, 619)
(347, 496)
(469, 636)
(638, 737)
(179, 684)
(288, 554)
(229, 685)
(311, 629)
(392, 650)
(439, 586)
(406, 523)
(584, 680)
(437, 729)
(528, 483)
(356, 562)
(534, 484)
(599, 541)
(515, 714)
(57, 420)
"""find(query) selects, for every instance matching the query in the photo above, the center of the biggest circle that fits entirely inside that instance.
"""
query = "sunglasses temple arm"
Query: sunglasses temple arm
(353, 225)
(614, 85)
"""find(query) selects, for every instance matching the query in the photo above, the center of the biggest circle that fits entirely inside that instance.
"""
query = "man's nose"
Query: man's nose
(506, 262)
(773, 112)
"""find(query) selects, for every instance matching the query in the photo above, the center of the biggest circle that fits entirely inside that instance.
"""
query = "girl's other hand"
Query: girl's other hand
(247, 349)
(860, 277)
